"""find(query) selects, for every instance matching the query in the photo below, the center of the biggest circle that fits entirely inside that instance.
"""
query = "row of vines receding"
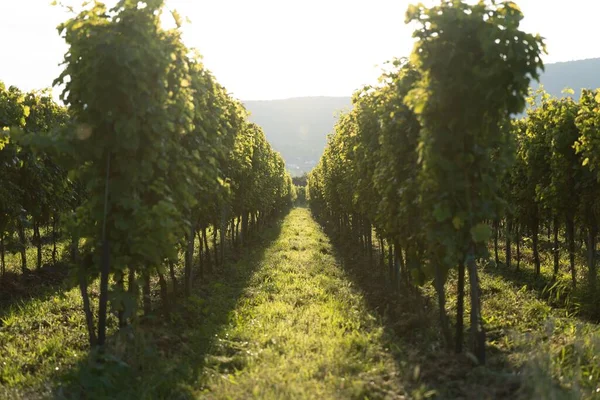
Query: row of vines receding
(435, 163)
(148, 159)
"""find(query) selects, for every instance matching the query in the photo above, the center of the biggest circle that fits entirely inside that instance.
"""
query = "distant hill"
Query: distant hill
(298, 127)
(577, 75)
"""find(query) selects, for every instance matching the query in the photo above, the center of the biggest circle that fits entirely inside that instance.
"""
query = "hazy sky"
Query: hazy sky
(268, 49)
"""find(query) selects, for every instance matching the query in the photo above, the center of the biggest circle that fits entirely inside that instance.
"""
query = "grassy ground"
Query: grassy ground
(297, 316)
(536, 349)
(282, 321)
(38, 283)
(301, 330)
(558, 293)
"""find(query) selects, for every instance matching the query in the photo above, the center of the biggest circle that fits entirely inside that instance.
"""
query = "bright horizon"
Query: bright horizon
(265, 49)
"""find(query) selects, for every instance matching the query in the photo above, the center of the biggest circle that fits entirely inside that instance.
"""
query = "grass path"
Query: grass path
(300, 329)
(281, 319)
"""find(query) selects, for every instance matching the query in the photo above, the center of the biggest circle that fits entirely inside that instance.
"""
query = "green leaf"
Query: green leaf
(568, 91)
(481, 233)
(4, 137)
(457, 222)
(441, 213)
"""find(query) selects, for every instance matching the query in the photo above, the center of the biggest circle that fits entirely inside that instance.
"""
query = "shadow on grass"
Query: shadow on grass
(579, 302)
(168, 359)
(17, 289)
(524, 276)
(410, 321)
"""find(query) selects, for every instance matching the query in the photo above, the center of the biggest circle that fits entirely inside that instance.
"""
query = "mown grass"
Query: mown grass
(301, 329)
(42, 329)
(282, 321)
(559, 291)
(536, 347)
(38, 283)
(44, 351)
(295, 316)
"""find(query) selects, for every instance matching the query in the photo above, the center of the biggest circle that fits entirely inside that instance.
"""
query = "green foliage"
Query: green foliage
(369, 166)
(151, 151)
(463, 146)
(588, 122)
(125, 131)
(33, 188)
(420, 156)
